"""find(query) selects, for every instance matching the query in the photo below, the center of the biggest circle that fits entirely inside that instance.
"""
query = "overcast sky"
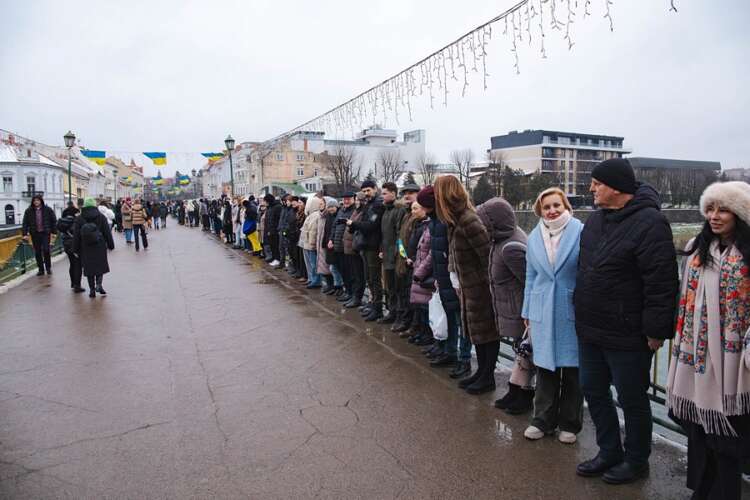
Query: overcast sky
(180, 75)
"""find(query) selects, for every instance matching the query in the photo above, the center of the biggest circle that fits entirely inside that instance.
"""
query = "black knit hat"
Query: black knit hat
(616, 173)
(269, 198)
(368, 184)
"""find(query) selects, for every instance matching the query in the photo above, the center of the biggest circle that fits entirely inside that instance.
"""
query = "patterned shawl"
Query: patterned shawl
(709, 374)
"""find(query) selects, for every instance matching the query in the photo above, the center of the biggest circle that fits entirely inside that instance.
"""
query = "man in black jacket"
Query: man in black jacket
(271, 228)
(40, 222)
(342, 263)
(369, 226)
(625, 296)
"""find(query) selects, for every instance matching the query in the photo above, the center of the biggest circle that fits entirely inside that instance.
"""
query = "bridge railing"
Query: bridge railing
(17, 256)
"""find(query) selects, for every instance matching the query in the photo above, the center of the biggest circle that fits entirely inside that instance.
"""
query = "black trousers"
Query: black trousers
(389, 290)
(403, 291)
(715, 462)
(356, 267)
(40, 241)
(346, 274)
(273, 241)
(558, 401)
(75, 270)
(374, 277)
(95, 281)
(138, 228)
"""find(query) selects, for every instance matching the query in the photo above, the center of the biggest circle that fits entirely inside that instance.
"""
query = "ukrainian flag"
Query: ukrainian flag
(184, 180)
(96, 156)
(158, 181)
(158, 158)
(213, 156)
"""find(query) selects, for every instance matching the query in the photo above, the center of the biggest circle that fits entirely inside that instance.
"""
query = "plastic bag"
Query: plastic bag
(438, 318)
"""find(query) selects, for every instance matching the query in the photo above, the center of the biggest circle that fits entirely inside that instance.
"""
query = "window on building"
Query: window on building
(300, 156)
(30, 183)
(7, 184)
(279, 157)
(300, 171)
(315, 172)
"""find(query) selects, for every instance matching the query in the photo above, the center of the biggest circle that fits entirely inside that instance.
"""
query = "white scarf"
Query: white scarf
(552, 234)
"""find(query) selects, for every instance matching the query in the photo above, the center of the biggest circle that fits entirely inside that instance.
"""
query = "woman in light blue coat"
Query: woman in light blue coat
(551, 263)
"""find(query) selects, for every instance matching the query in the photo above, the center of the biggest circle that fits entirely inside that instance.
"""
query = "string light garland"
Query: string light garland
(453, 64)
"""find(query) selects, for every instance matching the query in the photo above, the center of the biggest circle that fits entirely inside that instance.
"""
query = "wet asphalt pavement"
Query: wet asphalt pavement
(204, 374)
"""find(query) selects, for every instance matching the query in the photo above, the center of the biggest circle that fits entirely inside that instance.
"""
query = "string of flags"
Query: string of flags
(159, 158)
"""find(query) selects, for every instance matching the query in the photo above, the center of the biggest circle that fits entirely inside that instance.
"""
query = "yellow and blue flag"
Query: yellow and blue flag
(158, 158)
(184, 180)
(213, 156)
(99, 157)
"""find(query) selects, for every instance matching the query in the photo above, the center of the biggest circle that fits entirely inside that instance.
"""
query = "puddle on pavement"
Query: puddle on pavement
(264, 281)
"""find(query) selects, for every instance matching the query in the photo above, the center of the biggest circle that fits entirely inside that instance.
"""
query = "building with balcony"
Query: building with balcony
(570, 156)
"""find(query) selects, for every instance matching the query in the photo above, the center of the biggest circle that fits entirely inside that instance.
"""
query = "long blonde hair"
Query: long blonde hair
(451, 199)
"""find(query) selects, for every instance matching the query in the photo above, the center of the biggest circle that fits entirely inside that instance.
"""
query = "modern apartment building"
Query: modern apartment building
(569, 155)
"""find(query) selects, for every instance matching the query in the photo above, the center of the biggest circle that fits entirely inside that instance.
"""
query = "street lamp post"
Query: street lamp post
(70, 140)
(115, 171)
(229, 142)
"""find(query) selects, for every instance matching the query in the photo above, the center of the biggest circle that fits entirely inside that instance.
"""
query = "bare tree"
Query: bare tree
(343, 164)
(462, 159)
(388, 165)
(426, 167)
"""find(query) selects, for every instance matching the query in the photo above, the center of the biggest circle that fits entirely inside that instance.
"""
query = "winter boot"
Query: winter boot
(523, 403)
(461, 369)
(510, 396)
(463, 384)
(375, 313)
(486, 382)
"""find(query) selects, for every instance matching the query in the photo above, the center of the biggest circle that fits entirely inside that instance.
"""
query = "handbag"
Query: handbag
(358, 241)
(522, 346)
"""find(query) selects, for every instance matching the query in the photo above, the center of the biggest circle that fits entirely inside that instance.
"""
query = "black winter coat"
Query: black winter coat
(93, 257)
(49, 220)
(273, 212)
(328, 236)
(439, 251)
(65, 228)
(369, 224)
(627, 285)
(339, 227)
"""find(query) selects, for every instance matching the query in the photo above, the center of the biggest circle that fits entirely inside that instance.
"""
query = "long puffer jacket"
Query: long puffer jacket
(339, 229)
(627, 276)
(419, 294)
(507, 265)
(138, 214)
(309, 233)
(439, 255)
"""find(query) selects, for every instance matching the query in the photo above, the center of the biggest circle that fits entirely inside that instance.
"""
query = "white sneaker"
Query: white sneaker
(533, 433)
(567, 437)
(275, 263)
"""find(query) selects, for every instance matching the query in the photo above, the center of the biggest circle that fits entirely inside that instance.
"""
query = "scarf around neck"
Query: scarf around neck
(552, 233)
(709, 374)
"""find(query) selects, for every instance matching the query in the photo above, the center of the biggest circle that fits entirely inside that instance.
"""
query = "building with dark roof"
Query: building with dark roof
(570, 156)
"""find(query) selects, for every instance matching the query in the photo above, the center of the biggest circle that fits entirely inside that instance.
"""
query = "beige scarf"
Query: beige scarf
(552, 234)
(709, 374)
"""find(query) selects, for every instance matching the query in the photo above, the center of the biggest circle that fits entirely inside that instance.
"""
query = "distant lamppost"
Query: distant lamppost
(229, 142)
(115, 171)
(70, 140)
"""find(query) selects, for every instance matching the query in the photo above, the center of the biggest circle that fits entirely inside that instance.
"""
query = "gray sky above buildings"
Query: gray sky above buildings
(178, 75)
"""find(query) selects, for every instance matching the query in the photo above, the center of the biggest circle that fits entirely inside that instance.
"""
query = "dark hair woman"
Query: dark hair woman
(708, 387)
(469, 251)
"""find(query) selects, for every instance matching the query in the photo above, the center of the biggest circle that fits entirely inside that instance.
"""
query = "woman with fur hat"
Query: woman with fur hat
(708, 387)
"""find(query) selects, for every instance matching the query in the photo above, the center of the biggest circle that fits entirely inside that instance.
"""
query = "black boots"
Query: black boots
(487, 357)
(522, 403)
(509, 397)
(461, 369)
(376, 312)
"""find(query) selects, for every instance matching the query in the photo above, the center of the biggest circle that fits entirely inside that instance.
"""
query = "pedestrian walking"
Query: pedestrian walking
(127, 220)
(625, 293)
(92, 238)
(708, 387)
(163, 215)
(469, 251)
(138, 215)
(40, 223)
(552, 261)
(65, 225)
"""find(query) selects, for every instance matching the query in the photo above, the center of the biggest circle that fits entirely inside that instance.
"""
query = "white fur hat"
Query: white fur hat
(733, 195)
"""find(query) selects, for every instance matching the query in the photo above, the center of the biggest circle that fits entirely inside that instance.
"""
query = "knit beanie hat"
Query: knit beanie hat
(616, 173)
(368, 184)
(426, 197)
(331, 202)
(89, 202)
(732, 195)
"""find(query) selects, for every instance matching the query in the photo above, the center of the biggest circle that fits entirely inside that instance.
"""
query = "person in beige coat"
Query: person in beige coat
(309, 239)
(127, 219)
(138, 217)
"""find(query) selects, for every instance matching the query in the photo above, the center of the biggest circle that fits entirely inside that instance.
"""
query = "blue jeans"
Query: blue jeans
(311, 261)
(338, 281)
(629, 372)
(455, 344)
(128, 235)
